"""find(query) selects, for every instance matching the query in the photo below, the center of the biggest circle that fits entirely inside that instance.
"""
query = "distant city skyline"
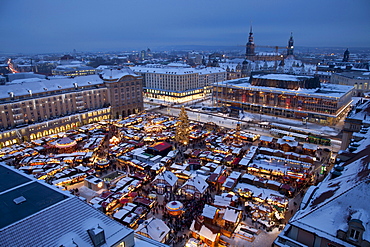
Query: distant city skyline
(43, 26)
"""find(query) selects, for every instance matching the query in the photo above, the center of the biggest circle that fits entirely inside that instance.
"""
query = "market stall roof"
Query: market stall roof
(229, 183)
(222, 201)
(198, 183)
(204, 232)
(209, 211)
(143, 201)
(161, 146)
(119, 214)
(221, 179)
(65, 142)
(167, 176)
(213, 177)
(266, 138)
(155, 228)
(231, 215)
(174, 206)
(310, 146)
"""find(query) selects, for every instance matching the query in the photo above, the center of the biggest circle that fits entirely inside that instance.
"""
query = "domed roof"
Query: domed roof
(174, 206)
(65, 142)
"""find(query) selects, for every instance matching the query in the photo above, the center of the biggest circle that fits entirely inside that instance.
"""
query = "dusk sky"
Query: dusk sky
(37, 26)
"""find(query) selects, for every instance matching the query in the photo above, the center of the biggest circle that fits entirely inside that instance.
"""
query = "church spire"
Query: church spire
(290, 45)
(346, 56)
(249, 51)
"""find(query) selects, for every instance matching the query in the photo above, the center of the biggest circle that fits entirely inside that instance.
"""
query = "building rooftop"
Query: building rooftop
(160, 69)
(325, 91)
(340, 198)
(26, 200)
(37, 214)
(40, 86)
(116, 74)
(282, 77)
(10, 179)
(359, 75)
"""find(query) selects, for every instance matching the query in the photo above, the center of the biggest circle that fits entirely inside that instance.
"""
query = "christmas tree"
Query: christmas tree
(182, 130)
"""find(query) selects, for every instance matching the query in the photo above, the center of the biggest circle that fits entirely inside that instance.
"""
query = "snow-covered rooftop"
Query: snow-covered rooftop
(168, 176)
(282, 77)
(155, 228)
(231, 215)
(176, 70)
(39, 86)
(50, 217)
(338, 199)
(116, 74)
(209, 211)
(325, 91)
(198, 182)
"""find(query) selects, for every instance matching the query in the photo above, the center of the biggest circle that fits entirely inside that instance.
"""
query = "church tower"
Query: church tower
(346, 56)
(249, 51)
(290, 48)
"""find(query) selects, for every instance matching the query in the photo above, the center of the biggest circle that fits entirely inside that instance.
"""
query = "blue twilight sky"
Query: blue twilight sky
(36, 26)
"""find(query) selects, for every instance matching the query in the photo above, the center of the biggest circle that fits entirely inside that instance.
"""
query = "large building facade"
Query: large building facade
(178, 84)
(35, 109)
(124, 92)
(290, 96)
(360, 80)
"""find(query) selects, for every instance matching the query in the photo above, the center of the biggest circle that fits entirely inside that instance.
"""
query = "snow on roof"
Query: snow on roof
(168, 176)
(282, 77)
(66, 219)
(48, 85)
(364, 113)
(359, 75)
(325, 91)
(287, 140)
(198, 182)
(209, 211)
(266, 138)
(120, 214)
(204, 232)
(229, 183)
(178, 65)
(158, 69)
(155, 228)
(234, 175)
(26, 80)
(222, 201)
(231, 215)
(339, 199)
(257, 191)
(114, 74)
(310, 146)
